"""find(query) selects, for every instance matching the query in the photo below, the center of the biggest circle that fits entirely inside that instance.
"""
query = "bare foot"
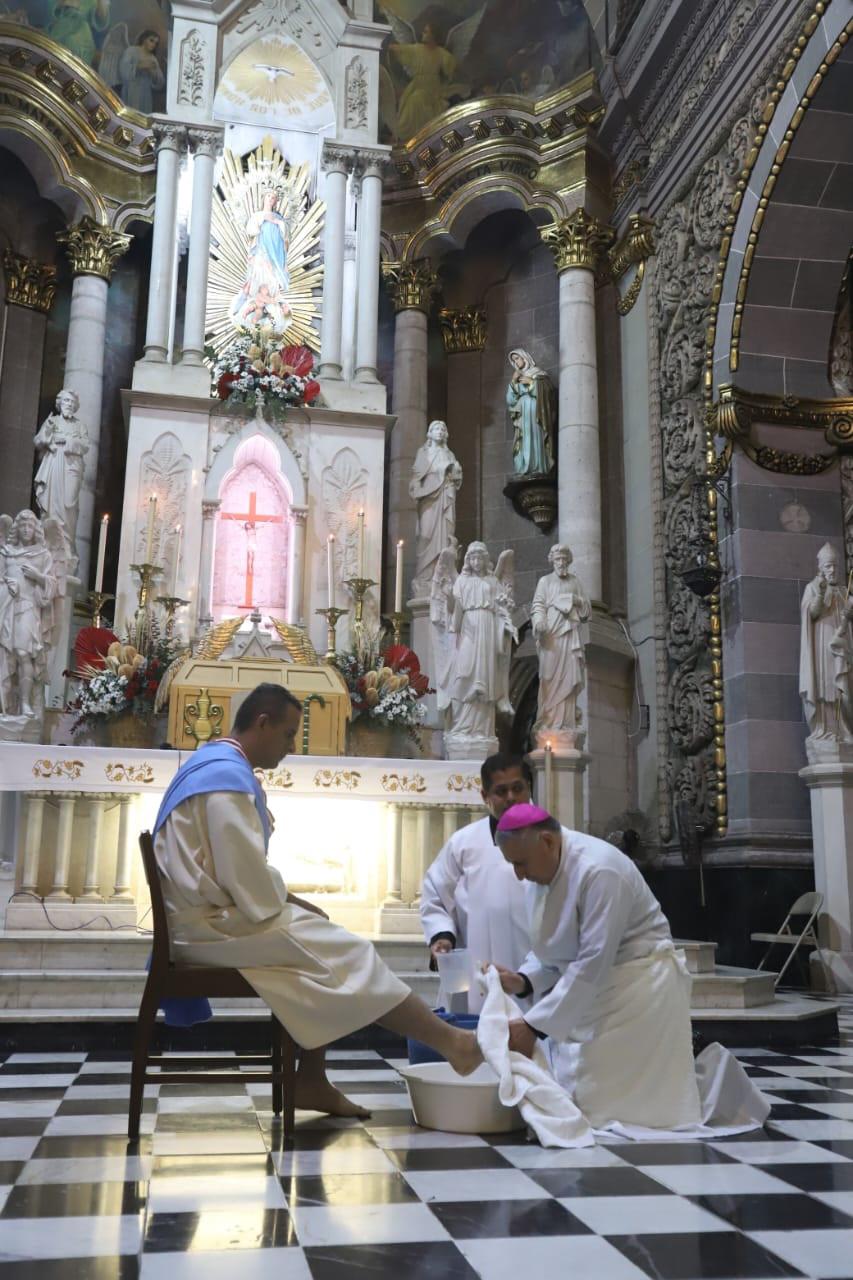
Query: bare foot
(320, 1095)
(466, 1055)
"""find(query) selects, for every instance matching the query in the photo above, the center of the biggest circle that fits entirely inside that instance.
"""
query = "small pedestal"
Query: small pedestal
(829, 778)
(565, 785)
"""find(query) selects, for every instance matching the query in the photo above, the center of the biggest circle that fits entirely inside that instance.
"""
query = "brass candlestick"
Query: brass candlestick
(396, 620)
(171, 604)
(359, 587)
(147, 573)
(95, 601)
(332, 616)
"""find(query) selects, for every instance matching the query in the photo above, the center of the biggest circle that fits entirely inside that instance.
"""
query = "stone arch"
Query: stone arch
(47, 163)
(468, 207)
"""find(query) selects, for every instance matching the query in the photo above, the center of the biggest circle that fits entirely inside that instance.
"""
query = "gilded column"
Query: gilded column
(412, 286)
(204, 144)
(93, 250)
(336, 163)
(577, 244)
(171, 141)
(463, 331)
(30, 289)
(372, 166)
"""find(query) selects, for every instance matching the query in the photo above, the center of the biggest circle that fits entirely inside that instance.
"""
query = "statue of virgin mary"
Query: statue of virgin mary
(263, 298)
(530, 400)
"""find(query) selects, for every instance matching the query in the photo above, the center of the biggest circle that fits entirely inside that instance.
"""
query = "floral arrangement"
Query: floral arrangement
(122, 680)
(254, 370)
(387, 687)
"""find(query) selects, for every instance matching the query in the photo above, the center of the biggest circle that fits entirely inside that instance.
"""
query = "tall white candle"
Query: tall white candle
(177, 555)
(102, 551)
(361, 544)
(330, 568)
(149, 535)
(398, 587)
(549, 774)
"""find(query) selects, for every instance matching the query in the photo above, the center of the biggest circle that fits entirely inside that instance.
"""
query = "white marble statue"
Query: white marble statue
(560, 614)
(32, 578)
(62, 443)
(436, 478)
(826, 655)
(475, 637)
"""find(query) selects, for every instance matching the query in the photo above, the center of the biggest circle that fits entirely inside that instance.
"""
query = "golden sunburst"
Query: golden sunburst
(274, 73)
(265, 263)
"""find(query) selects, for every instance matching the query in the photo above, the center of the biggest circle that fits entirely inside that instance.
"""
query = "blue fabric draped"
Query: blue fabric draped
(215, 767)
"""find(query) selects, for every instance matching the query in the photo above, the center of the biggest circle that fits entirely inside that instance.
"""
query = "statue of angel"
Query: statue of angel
(430, 58)
(479, 618)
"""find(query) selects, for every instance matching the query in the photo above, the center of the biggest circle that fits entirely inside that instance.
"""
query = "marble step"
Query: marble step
(699, 955)
(732, 988)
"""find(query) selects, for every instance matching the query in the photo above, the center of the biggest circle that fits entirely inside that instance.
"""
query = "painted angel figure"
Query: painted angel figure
(133, 69)
(430, 59)
(479, 620)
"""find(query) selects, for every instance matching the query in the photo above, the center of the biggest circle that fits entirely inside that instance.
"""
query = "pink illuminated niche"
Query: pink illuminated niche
(250, 562)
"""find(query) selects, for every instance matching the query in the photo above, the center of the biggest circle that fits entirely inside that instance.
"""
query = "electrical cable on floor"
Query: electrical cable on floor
(87, 924)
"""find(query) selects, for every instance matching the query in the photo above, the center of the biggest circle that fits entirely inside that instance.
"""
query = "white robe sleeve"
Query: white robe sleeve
(239, 862)
(542, 977)
(604, 911)
(439, 891)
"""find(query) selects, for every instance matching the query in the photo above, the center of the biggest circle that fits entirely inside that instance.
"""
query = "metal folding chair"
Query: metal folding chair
(808, 905)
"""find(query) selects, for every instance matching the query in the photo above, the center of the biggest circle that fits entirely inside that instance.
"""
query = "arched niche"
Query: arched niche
(253, 536)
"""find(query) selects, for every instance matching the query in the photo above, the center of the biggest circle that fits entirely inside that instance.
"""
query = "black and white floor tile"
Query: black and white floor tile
(213, 1191)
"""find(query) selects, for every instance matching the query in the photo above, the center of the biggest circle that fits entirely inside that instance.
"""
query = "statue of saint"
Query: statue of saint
(28, 587)
(63, 443)
(436, 478)
(826, 653)
(559, 614)
(531, 403)
(479, 622)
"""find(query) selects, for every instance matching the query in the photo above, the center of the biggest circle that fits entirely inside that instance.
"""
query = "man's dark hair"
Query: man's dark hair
(547, 824)
(501, 762)
(265, 700)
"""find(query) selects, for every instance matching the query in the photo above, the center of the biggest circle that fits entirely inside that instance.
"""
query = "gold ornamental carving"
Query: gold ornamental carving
(463, 329)
(93, 249)
(464, 782)
(413, 783)
(29, 283)
(735, 411)
(117, 772)
(634, 248)
(412, 285)
(71, 769)
(203, 718)
(579, 240)
(337, 779)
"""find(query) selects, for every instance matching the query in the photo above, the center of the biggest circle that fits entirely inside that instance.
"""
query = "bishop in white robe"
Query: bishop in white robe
(227, 907)
(610, 990)
(470, 896)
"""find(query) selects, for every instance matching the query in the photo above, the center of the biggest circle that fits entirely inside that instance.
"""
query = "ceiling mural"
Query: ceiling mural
(442, 53)
(273, 80)
(123, 40)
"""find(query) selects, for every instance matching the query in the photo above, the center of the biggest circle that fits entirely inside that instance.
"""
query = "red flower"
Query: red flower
(224, 385)
(312, 390)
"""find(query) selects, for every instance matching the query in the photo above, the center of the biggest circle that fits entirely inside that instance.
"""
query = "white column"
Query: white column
(62, 864)
(296, 578)
(412, 286)
(204, 144)
(349, 307)
(394, 865)
(91, 892)
(93, 250)
(424, 852)
(448, 822)
(577, 243)
(370, 223)
(171, 140)
(830, 784)
(34, 822)
(335, 163)
(205, 574)
(124, 853)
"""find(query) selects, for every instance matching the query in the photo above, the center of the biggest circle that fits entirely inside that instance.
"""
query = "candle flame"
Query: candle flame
(401, 542)
(331, 538)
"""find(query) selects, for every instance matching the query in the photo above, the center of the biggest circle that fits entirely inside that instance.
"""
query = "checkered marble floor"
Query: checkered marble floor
(212, 1190)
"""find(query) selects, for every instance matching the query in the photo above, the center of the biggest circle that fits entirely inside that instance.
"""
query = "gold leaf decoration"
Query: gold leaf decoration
(297, 642)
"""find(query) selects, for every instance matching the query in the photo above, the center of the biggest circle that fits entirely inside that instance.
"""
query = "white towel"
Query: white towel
(524, 1082)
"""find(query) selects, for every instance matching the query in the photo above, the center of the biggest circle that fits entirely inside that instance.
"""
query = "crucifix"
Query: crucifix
(250, 520)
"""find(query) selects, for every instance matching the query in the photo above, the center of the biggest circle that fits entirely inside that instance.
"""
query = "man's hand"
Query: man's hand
(522, 1038)
(512, 983)
(441, 947)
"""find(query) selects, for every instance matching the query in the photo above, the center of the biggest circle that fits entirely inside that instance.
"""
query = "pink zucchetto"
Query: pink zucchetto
(519, 816)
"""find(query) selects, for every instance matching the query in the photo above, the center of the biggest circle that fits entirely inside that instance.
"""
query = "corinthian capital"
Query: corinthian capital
(205, 142)
(578, 241)
(93, 249)
(29, 283)
(169, 137)
(463, 329)
(412, 284)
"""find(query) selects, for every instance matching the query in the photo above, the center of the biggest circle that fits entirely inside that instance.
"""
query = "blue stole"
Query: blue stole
(215, 767)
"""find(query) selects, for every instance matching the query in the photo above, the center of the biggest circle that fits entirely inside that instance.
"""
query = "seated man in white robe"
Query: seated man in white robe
(470, 896)
(226, 906)
(610, 990)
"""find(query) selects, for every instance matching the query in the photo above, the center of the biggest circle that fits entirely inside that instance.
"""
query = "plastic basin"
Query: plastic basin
(441, 1099)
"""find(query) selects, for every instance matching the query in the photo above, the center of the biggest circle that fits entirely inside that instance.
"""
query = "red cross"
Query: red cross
(250, 518)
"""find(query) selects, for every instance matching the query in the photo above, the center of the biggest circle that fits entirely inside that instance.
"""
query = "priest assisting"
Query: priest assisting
(228, 907)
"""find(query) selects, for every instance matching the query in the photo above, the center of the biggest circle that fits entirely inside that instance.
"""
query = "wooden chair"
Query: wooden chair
(167, 980)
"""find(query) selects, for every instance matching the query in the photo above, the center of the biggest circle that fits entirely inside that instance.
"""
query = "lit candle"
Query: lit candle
(149, 536)
(398, 591)
(361, 544)
(177, 554)
(102, 551)
(330, 568)
(549, 774)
